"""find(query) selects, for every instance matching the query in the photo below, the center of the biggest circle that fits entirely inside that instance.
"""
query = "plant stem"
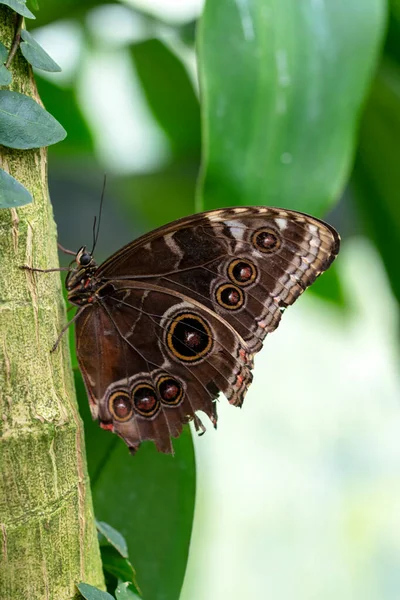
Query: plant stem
(48, 539)
(16, 40)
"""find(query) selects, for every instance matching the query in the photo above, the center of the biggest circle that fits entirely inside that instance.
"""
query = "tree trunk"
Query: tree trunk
(48, 540)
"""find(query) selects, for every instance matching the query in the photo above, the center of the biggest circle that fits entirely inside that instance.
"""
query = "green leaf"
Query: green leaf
(376, 178)
(116, 565)
(5, 76)
(25, 124)
(12, 193)
(3, 53)
(34, 4)
(124, 591)
(392, 47)
(36, 55)
(92, 593)
(170, 95)
(20, 7)
(153, 502)
(282, 87)
(113, 537)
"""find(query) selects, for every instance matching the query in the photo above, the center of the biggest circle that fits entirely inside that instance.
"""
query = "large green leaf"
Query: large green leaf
(12, 193)
(170, 95)
(376, 177)
(282, 85)
(25, 124)
(149, 498)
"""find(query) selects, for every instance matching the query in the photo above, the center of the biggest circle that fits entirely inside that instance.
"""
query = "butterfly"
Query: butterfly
(175, 317)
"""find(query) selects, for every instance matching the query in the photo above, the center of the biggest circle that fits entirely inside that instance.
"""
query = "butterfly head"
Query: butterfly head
(84, 258)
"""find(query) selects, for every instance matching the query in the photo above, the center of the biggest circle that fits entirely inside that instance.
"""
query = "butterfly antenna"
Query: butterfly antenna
(98, 221)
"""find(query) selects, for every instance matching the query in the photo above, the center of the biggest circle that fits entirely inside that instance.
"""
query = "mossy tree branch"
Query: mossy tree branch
(48, 539)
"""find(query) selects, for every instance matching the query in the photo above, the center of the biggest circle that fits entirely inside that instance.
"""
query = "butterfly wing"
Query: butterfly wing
(246, 264)
(151, 358)
(181, 311)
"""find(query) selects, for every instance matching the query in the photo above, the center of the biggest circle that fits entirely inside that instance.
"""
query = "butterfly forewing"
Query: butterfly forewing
(177, 315)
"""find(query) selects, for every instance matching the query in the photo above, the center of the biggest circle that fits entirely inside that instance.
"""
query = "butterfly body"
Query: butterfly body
(175, 317)
(81, 282)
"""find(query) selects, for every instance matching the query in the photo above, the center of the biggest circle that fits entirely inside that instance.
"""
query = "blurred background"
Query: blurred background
(297, 494)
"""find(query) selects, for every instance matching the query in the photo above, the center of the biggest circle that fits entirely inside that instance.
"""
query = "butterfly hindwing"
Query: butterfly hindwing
(150, 359)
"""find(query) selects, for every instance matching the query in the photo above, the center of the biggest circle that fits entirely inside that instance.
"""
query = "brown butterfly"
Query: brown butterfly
(176, 317)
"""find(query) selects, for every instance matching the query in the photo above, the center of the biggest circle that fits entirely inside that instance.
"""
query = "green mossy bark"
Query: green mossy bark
(48, 540)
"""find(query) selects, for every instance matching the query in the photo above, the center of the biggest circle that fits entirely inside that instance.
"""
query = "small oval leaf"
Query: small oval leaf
(5, 76)
(115, 565)
(3, 53)
(25, 124)
(19, 7)
(113, 537)
(12, 193)
(36, 55)
(92, 593)
(124, 591)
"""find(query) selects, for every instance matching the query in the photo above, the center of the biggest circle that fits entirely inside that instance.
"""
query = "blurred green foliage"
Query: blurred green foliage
(79, 140)
(281, 102)
(285, 108)
(376, 176)
(170, 95)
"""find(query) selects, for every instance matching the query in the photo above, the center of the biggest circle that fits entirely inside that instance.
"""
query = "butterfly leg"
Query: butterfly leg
(33, 269)
(64, 329)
